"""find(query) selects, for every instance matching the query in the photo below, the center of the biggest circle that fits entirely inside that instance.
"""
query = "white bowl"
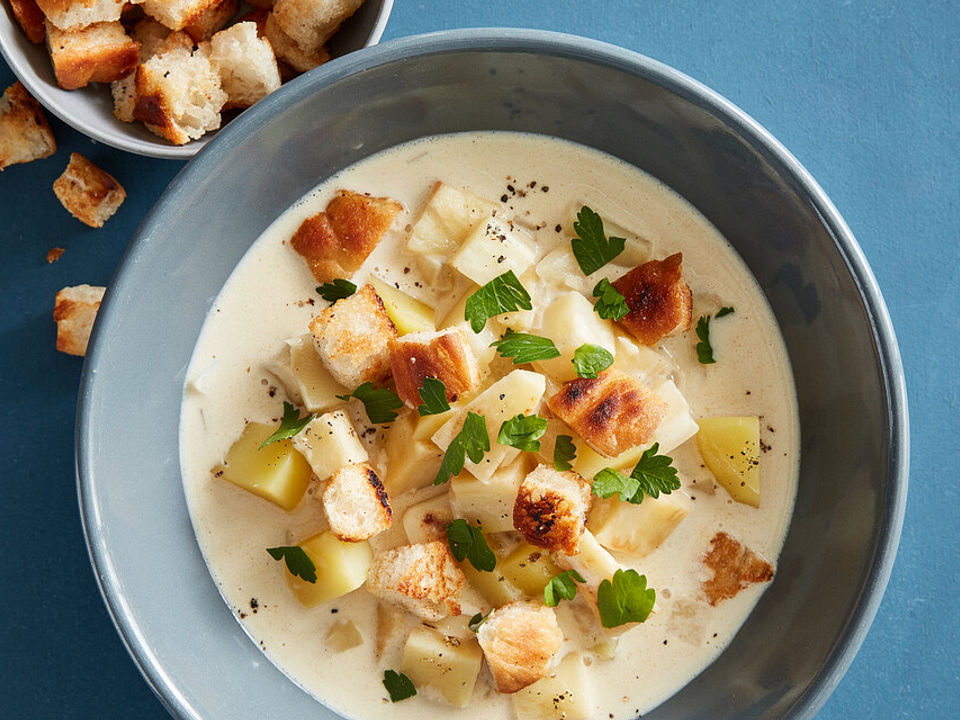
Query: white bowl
(90, 109)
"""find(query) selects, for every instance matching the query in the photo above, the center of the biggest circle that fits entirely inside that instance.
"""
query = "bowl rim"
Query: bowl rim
(46, 94)
(560, 45)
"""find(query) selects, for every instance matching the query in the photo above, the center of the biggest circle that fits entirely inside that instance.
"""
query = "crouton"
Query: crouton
(213, 19)
(734, 568)
(74, 310)
(29, 17)
(310, 23)
(247, 66)
(292, 54)
(335, 242)
(423, 579)
(259, 17)
(91, 195)
(445, 355)
(73, 15)
(179, 95)
(261, 4)
(356, 503)
(551, 509)
(154, 38)
(353, 338)
(177, 14)
(54, 254)
(97, 53)
(25, 134)
(612, 412)
(520, 642)
(329, 442)
(660, 302)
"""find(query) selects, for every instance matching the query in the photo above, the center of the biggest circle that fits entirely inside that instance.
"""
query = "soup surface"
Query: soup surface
(539, 183)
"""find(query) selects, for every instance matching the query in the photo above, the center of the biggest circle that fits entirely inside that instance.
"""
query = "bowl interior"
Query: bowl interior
(90, 109)
(834, 565)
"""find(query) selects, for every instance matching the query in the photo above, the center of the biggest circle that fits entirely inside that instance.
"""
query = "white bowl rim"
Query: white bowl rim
(562, 45)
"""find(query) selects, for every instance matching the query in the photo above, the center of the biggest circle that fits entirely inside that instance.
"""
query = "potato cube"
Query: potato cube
(304, 376)
(447, 665)
(408, 314)
(493, 248)
(342, 636)
(589, 462)
(490, 503)
(637, 530)
(730, 447)
(277, 473)
(529, 569)
(641, 361)
(449, 215)
(341, 568)
(411, 463)
(571, 322)
(492, 586)
(563, 695)
(678, 424)
(428, 520)
(328, 443)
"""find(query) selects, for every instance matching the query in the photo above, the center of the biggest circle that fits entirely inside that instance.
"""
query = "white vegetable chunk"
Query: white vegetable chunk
(328, 443)
(304, 376)
(490, 503)
(563, 695)
(493, 248)
(571, 322)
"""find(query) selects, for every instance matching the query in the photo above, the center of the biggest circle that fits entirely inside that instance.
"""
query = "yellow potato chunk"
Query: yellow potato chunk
(408, 314)
(277, 473)
(411, 463)
(448, 665)
(529, 569)
(589, 462)
(730, 447)
(637, 530)
(341, 568)
(560, 696)
(342, 636)
(493, 586)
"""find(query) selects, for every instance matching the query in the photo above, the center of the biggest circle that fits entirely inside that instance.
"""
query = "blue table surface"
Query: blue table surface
(865, 94)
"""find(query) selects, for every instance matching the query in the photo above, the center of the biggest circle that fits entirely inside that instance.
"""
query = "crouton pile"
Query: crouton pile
(177, 65)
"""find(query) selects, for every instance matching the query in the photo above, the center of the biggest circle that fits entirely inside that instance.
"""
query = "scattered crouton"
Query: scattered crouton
(520, 642)
(213, 19)
(423, 579)
(445, 355)
(292, 54)
(96, 53)
(53, 254)
(353, 338)
(73, 15)
(246, 63)
(179, 96)
(261, 4)
(29, 17)
(75, 310)
(551, 509)
(356, 503)
(154, 38)
(734, 568)
(177, 14)
(335, 242)
(612, 412)
(25, 134)
(91, 195)
(660, 302)
(310, 23)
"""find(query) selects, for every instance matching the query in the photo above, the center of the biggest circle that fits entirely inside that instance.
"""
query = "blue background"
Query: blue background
(866, 95)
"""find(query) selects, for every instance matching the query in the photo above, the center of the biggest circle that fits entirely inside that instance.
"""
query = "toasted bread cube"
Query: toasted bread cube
(551, 509)
(96, 53)
(356, 503)
(25, 134)
(328, 443)
(91, 195)
(638, 530)
(520, 641)
(441, 664)
(304, 376)
(660, 302)
(154, 38)
(491, 249)
(444, 355)
(612, 412)
(446, 220)
(353, 338)
(423, 579)
(73, 15)
(341, 568)
(310, 23)
(427, 521)
(74, 311)
(490, 503)
(412, 462)
(216, 17)
(571, 322)
(561, 695)
(299, 59)
(30, 18)
(734, 567)
(335, 242)
(247, 66)
(262, 4)
(177, 14)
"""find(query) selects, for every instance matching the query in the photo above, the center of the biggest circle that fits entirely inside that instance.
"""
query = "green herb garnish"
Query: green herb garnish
(336, 290)
(625, 598)
(502, 294)
(524, 348)
(467, 541)
(477, 620)
(523, 432)
(591, 360)
(472, 441)
(610, 305)
(398, 685)
(379, 403)
(653, 474)
(724, 311)
(298, 562)
(434, 395)
(704, 349)
(562, 586)
(290, 425)
(591, 247)
(564, 451)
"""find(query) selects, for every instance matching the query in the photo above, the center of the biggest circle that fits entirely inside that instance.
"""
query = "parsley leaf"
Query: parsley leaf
(704, 349)
(473, 440)
(724, 311)
(477, 620)
(467, 541)
(298, 562)
(524, 348)
(562, 586)
(290, 425)
(379, 404)
(591, 247)
(336, 290)
(398, 685)
(434, 395)
(609, 482)
(625, 598)
(654, 474)
(610, 305)
(452, 464)
(502, 294)
(523, 432)
(563, 452)
(591, 360)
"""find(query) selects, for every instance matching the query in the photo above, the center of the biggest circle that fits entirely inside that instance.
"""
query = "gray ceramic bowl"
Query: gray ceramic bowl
(802, 636)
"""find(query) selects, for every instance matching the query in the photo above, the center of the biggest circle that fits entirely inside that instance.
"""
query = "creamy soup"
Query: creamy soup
(538, 183)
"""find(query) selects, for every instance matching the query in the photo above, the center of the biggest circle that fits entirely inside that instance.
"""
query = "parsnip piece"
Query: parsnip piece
(593, 562)
(446, 219)
(392, 624)
(489, 503)
(559, 268)
(492, 586)
(277, 473)
(341, 568)
(447, 665)
(730, 447)
(637, 530)
(529, 569)
(411, 463)
(304, 376)
(562, 695)
(328, 443)
(589, 462)
(427, 425)
(641, 361)
(571, 322)
(428, 520)
(678, 425)
(408, 314)
(343, 636)
(491, 249)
